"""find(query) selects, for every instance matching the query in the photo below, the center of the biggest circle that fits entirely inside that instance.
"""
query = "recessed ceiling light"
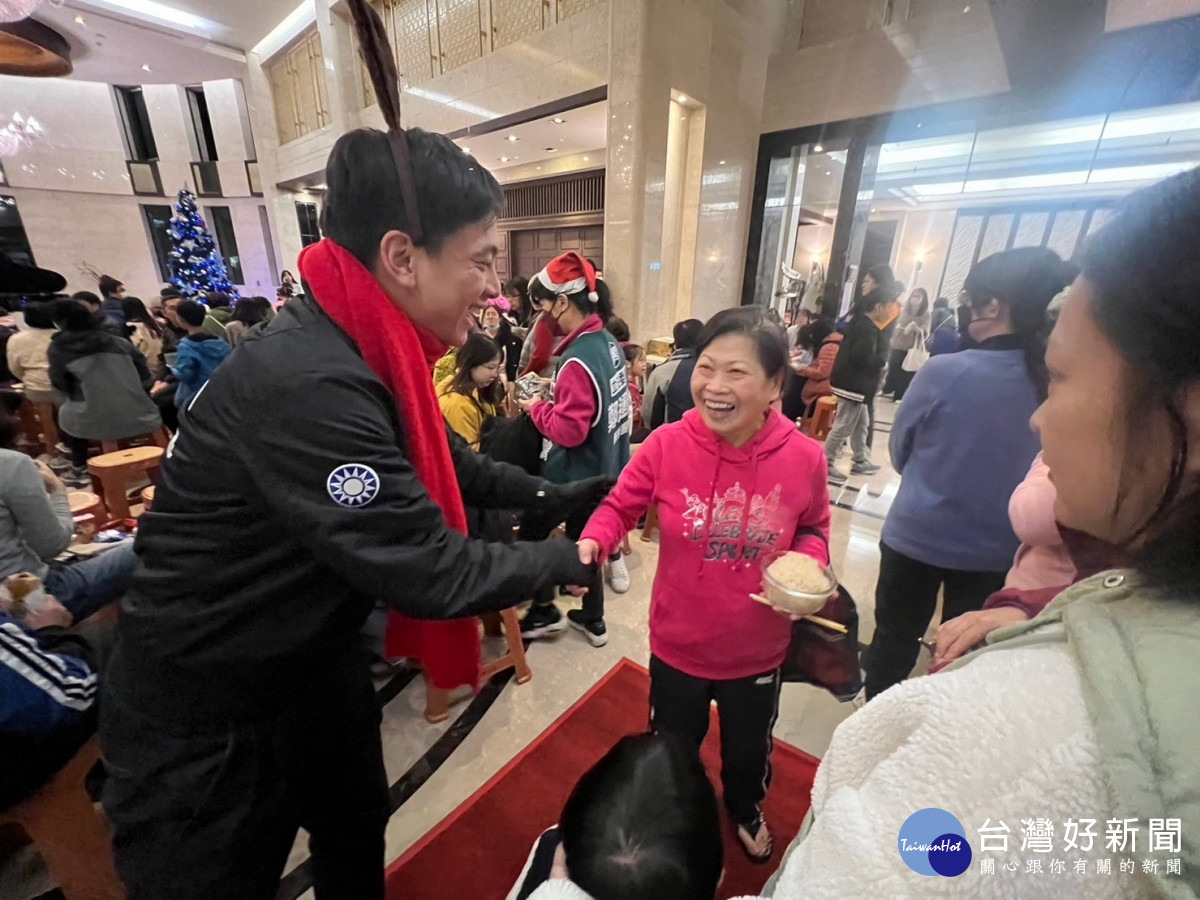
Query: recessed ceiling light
(504, 159)
(79, 20)
(551, 149)
(539, 168)
(585, 159)
(826, 171)
(466, 149)
(818, 149)
(720, 162)
(559, 120)
(966, 9)
(683, 98)
(512, 138)
(145, 67)
(562, 140)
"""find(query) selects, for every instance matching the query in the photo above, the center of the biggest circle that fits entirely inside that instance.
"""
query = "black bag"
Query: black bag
(823, 657)
(516, 441)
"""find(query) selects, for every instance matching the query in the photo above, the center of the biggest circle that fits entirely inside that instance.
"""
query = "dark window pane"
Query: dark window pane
(158, 222)
(202, 125)
(227, 243)
(310, 230)
(136, 122)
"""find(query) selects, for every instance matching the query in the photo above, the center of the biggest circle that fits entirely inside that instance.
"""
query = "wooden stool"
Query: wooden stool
(89, 514)
(69, 833)
(437, 700)
(147, 498)
(822, 420)
(160, 438)
(112, 472)
(44, 412)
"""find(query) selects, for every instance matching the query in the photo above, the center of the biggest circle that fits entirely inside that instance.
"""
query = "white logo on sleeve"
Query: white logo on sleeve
(352, 485)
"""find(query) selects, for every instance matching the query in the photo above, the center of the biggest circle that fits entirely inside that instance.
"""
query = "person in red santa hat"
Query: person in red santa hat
(588, 422)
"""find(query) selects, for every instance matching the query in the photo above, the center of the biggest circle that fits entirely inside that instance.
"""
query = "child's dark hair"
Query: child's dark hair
(40, 314)
(538, 292)
(71, 315)
(479, 350)
(192, 313)
(618, 328)
(86, 297)
(251, 310)
(769, 339)
(217, 300)
(633, 352)
(135, 311)
(642, 824)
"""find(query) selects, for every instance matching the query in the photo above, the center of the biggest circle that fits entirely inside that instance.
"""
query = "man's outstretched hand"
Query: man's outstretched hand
(558, 502)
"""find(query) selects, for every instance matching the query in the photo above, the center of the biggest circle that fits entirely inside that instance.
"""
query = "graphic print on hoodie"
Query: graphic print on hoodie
(722, 511)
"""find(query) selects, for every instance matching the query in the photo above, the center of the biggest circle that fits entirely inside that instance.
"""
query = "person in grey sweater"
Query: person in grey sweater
(912, 327)
(36, 526)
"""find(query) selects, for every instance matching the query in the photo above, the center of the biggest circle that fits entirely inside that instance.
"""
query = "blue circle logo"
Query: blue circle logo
(933, 842)
(352, 485)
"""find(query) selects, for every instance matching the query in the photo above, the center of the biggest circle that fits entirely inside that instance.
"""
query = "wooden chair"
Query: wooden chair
(437, 700)
(147, 498)
(69, 833)
(651, 524)
(89, 514)
(822, 420)
(112, 472)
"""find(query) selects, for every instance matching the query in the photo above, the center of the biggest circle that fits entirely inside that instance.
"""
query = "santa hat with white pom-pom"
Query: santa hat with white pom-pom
(569, 274)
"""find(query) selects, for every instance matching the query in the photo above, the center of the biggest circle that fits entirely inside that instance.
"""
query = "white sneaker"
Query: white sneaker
(618, 575)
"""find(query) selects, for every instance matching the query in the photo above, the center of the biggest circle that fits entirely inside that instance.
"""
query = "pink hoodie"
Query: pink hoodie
(721, 511)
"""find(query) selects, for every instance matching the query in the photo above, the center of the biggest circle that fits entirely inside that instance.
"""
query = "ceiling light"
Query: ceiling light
(551, 149)
(826, 171)
(160, 11)
(504, 159)
(585, 159)
(145, 67)
(512, 138)
(720, 162)
(562, 140)
(966, 9)
(466, 149)
(683, 98)
(559, 120)
(319, 187)
(818, 149)
(79, 20)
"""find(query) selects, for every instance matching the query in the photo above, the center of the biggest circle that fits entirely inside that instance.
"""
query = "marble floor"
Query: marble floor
(566, 667)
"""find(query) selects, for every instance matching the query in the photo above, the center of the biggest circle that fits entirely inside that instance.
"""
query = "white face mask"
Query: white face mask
(491, 329)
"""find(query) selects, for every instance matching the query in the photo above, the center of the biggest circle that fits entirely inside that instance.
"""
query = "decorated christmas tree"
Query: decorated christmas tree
(196, 266)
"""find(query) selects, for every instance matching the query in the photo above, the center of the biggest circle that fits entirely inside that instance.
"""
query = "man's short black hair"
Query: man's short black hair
(170, 293)
(686, 333)
(363, 200)
(86, 297)
(192, 313)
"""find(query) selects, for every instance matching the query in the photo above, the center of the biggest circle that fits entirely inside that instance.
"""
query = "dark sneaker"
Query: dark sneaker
(836, 475)
(593, 629)
(60, 464)
(867, 468)
(542, 622)
(76, 477)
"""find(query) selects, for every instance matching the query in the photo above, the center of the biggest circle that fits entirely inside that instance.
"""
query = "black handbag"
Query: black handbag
(821, 656)
(516, 441)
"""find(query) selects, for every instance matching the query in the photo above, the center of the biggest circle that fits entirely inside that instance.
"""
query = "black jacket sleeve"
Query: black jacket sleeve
(488, 484)
(394, 546)
(60, 376)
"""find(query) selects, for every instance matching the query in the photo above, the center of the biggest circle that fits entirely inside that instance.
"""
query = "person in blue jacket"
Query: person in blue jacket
(962, 443)
(199, 353)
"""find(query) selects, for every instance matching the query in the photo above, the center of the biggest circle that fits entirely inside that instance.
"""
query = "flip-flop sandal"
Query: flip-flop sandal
(747, 841)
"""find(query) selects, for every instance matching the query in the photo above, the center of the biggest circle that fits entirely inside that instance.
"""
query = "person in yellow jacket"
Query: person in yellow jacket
(475, 390)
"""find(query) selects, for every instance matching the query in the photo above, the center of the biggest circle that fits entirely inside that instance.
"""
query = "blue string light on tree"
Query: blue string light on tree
(196, 266)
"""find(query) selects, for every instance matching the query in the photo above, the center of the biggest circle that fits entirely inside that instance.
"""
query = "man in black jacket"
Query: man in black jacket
(238, 704)
(855, 381)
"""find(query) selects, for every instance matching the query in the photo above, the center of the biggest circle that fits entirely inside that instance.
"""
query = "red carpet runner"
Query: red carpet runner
(479, 849)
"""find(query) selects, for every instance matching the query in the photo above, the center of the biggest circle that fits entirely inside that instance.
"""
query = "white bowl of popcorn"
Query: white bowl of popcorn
(797, 584)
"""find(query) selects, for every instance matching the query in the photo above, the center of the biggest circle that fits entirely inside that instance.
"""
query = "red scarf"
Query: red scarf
(402, 356)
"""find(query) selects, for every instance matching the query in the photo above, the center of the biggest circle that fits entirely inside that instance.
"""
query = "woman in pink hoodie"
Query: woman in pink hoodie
(734, 482)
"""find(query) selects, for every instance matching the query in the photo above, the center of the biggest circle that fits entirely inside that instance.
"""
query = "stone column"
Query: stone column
(713, 60)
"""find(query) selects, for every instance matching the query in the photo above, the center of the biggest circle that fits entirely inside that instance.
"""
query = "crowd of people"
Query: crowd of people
(351, 450)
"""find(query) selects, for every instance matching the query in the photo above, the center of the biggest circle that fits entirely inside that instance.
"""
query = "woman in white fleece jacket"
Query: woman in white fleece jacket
(1087, 712)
